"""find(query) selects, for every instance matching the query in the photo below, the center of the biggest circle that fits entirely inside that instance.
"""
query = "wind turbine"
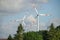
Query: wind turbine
(21, 20)
(39, 15)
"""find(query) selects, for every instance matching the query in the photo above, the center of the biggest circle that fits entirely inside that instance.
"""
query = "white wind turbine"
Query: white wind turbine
(21, 20)
(38, 16)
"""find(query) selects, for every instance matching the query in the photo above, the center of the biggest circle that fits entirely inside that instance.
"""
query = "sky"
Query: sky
(12, 10)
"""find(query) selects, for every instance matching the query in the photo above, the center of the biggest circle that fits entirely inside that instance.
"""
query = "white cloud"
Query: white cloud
(6, 5)
(31, 19)
(16, 5)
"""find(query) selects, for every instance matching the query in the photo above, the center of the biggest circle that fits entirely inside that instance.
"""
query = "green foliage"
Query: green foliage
(32, 36)
(58, 28)
(19, 34)
(45, 34)
(9, 37)
(54, 33)
(57, 33)
(20, 28)
(52, 27)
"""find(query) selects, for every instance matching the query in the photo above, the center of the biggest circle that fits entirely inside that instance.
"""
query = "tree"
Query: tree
(32, 36)
(57, 32)
(19, 34)
(10, 37)
(52, 33)
(58, 28)
(45, 34)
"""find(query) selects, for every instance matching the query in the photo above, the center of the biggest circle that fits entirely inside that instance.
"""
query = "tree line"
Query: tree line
(51, 34)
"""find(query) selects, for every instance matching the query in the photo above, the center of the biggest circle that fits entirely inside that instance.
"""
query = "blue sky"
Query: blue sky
(12, 10)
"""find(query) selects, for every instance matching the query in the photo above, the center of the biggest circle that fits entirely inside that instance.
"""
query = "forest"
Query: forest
(51, 34)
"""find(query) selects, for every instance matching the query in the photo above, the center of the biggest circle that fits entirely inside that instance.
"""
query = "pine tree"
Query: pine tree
(19, 34)
(52, 31)
(9, 37)
(52, 27)
(32, 36)
(57, 32)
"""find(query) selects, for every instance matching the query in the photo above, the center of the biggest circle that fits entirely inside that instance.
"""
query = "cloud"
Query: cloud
(31, 19)
(16, 5)
(10, 5)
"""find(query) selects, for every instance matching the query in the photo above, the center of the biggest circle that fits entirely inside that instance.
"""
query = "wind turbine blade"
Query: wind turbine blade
(47, 14)
(24, 18)
(36, 10)
(23, 23)
(34, 6)
(44, 14)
